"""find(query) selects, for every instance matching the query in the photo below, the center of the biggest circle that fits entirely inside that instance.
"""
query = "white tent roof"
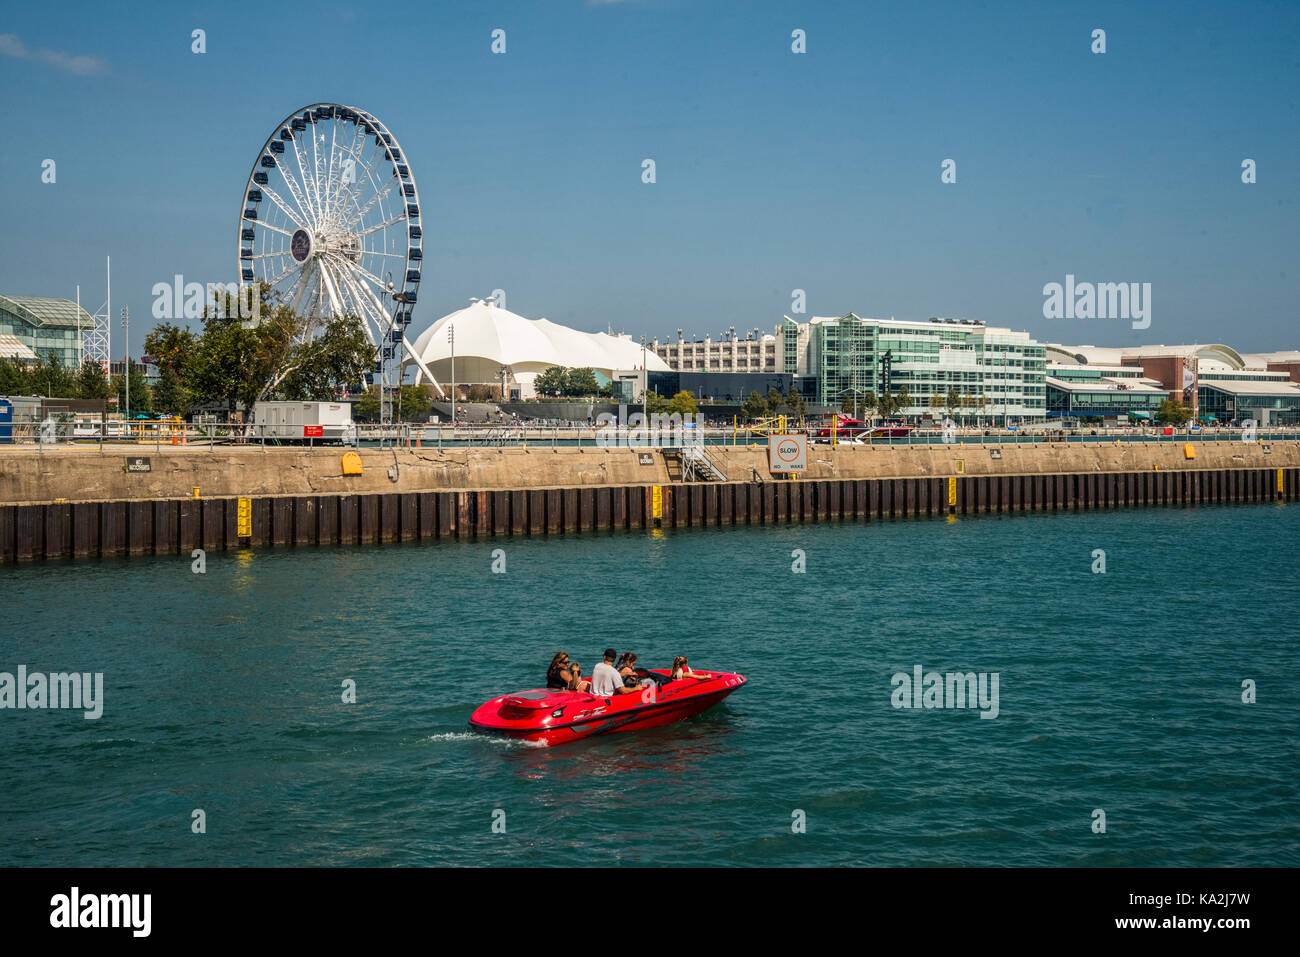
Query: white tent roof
(489, 337)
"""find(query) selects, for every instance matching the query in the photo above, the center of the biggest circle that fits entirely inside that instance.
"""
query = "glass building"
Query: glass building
(46, 325)
(998, 374)
(1270, 398)
(1084, 391)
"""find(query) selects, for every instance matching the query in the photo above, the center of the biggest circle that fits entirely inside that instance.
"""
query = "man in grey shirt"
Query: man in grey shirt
(605, 679)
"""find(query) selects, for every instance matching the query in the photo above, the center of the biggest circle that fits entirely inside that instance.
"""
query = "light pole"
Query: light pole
(451, 337)
(645, 385)
(126, 366)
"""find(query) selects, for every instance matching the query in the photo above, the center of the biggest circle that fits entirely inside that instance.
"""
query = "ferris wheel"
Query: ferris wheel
(331, 222)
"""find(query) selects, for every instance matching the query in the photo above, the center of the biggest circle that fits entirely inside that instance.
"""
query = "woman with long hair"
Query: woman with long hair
(682, 669)
(557, 675)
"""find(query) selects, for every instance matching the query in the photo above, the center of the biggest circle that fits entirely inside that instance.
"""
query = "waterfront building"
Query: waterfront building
(719, 386)
(1215, 381)
(754, 353)
(1234, 395)
(42, 326)
(1288, 362)
(998, 373)
(493, 346)
(1080, 391)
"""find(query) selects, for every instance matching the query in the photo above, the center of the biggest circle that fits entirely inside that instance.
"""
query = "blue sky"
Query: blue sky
(775, 171)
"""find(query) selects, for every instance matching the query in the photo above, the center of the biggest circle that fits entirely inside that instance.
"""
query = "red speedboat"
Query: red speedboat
(843, 427)
(558, 717)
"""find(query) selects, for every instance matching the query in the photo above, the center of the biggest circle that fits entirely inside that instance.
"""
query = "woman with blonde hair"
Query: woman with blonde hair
(682, 669)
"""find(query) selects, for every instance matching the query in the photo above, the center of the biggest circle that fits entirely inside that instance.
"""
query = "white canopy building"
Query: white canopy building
(496, 346)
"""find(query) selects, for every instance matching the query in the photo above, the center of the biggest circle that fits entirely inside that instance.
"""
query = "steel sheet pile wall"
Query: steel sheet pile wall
(93, 529)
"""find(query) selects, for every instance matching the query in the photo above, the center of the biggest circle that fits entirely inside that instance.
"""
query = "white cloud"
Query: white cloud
(10, 45)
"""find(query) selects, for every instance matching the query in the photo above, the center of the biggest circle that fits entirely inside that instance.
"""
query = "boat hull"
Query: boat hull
(550, 717)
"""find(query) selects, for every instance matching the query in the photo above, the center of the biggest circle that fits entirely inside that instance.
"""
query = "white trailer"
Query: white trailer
(317, 423)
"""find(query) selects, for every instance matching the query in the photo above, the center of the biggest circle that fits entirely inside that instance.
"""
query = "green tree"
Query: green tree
(170, 397)
(796, 403)
(551, 382)
(683, 403)
(774, 400)
(366, 408)
(234, 363)
(91, 382)
(755, 407)
(654, 403)
(1173, 412)
(322, 368)
(951, 402)
(141, 399)
(170, 347)
(50, 377)
(172, 350)
(904, 398)
(886, 404)
(13, 377)
(581, 382)
(417, 403)
(869, 403)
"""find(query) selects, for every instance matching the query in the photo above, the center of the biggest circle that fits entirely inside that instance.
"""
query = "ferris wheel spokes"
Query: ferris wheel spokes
(320, 228)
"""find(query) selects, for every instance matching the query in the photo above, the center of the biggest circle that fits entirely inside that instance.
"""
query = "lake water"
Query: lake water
(1119, 692)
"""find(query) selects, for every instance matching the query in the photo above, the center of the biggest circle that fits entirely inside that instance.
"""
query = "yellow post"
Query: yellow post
(952, 491)
(1279, 481)
(657, 503)
(245, 518)
(196, 491)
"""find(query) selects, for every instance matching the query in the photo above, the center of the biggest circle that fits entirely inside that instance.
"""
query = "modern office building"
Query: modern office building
(44, 326)
(998, 373)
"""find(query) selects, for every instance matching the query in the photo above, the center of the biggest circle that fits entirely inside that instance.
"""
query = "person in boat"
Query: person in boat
(638, 678)
(579, 683)
(682, 669)
(605, 678)
(564, 675)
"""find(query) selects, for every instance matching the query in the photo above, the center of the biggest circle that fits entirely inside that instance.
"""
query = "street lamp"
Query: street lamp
(451, 337)
(126, 366)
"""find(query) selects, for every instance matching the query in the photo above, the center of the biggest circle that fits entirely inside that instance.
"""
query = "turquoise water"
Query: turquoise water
(1118, 691)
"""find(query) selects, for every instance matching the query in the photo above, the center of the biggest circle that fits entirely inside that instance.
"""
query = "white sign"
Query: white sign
(787, 453)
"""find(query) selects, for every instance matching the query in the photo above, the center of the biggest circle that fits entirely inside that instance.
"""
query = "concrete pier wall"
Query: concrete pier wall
(86, 474)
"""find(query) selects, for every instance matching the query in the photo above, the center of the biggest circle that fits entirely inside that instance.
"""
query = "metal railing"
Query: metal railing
(213, 433)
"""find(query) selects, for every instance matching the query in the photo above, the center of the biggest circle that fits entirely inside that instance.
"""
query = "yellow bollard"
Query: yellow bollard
(196, 491)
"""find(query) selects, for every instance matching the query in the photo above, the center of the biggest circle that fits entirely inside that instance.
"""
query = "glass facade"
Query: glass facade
(789, 346)
(46, 325)
(1230, 407)
(997, 373)
(718, 386)
(1119, 390)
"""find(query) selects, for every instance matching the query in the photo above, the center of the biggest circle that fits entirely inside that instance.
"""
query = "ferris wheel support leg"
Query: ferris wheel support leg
(406, 344)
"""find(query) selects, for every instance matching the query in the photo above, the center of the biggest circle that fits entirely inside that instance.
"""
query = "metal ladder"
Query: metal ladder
(697, 464)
